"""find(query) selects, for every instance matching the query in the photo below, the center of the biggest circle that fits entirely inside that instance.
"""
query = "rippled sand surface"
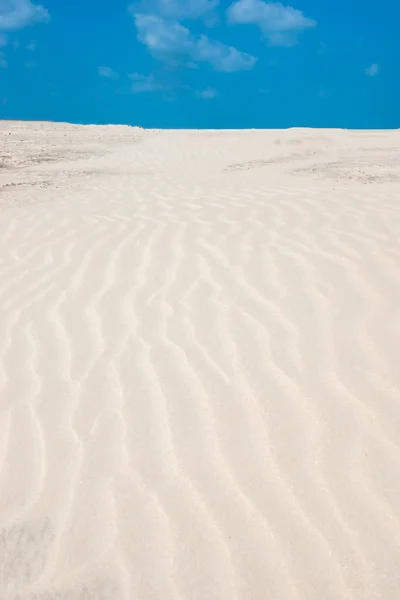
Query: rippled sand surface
(199, 364)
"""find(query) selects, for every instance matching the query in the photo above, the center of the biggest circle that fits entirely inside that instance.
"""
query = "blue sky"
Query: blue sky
(202, 63)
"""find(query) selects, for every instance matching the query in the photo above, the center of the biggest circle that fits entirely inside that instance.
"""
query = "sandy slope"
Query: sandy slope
(199, 364)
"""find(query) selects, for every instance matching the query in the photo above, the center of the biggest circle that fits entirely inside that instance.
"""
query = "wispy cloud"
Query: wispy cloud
(278, 23)
(207, 94)
(17, 14)
(372, 70)
(145, 83)
(108, 73)
(178, 10)
(3, 61)
(173, 43)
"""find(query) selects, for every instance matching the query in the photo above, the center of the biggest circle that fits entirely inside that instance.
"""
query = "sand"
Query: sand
(199, 364)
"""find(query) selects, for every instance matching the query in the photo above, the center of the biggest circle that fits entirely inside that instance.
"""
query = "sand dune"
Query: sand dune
(199, 364)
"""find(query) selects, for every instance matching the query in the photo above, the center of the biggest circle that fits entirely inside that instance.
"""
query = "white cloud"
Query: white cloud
(280, 24)
(207, 94)
(3, 61)
(32, 46)
(17, 14)
(108, 73)
(175, 44)
(174, 9)
(145, 83)
(372, 70)
(3, 40)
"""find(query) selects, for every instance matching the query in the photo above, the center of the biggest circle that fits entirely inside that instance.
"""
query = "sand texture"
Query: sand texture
(199, 364)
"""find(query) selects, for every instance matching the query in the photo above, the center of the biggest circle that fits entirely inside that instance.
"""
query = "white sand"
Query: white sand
(199, 364)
